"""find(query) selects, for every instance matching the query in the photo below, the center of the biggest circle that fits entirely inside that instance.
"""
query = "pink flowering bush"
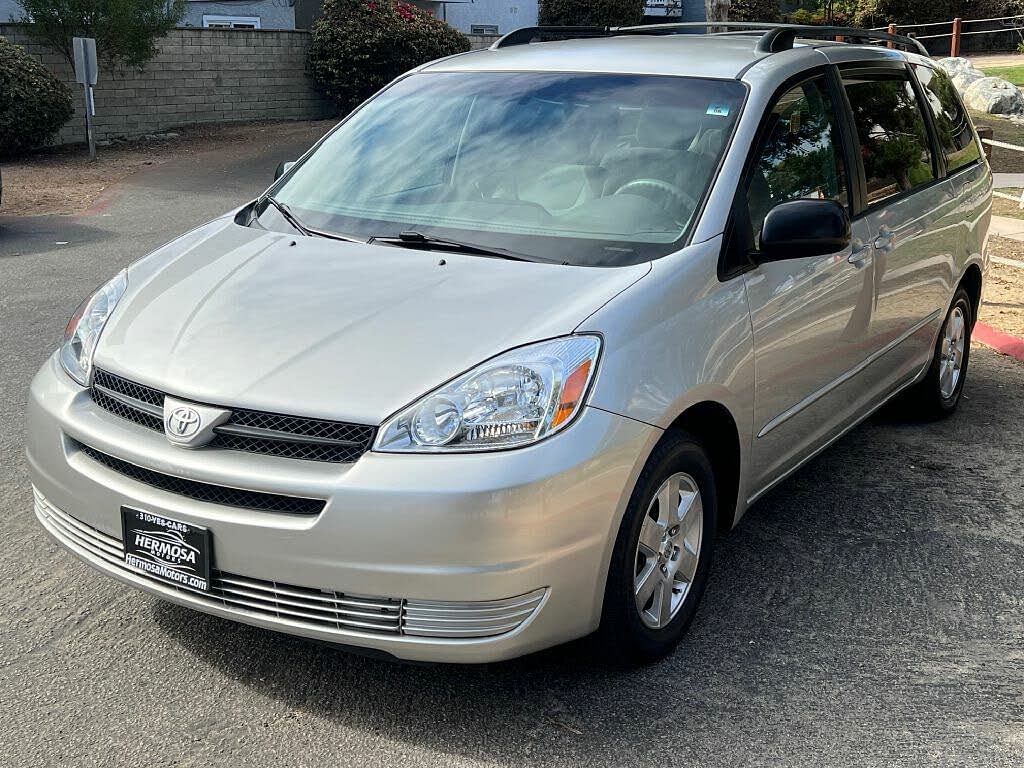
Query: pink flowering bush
(359, 46)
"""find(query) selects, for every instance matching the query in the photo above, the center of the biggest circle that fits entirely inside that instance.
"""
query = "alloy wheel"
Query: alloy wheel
(668, 551)
(952, 353)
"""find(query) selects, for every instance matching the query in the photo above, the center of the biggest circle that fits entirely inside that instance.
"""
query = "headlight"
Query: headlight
(511, 400)
(86, 325)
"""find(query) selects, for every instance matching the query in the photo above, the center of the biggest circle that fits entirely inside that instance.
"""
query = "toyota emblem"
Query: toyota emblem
(183, 422)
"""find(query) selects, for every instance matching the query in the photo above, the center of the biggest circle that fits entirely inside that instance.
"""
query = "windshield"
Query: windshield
(585, 169)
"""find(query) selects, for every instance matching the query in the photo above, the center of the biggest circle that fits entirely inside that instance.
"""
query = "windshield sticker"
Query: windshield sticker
(719, 110)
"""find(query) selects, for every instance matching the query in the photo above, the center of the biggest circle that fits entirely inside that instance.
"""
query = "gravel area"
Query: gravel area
(1002, 304)
(63, 180)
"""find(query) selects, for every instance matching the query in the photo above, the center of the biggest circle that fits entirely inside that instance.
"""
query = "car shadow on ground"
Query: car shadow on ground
(46, 235)
(831, 599)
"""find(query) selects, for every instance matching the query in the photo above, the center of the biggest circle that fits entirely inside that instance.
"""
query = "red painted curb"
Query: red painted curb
(999, 341)
(102, 201)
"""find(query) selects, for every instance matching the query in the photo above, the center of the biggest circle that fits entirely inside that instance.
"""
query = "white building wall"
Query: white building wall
(10, 11)
(507, 14)
(273, 14)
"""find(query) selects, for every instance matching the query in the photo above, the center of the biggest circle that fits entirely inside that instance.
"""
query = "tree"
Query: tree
(610, 13)
(126, 31)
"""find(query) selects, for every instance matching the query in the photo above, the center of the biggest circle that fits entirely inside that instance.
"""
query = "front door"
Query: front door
(811, 317)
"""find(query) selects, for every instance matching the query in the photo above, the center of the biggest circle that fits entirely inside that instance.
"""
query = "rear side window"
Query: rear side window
(893, 139)
(953, 126)
(801, 156)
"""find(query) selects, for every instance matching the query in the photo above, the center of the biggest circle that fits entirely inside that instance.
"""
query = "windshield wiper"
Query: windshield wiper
(291, 218)
(412, 239)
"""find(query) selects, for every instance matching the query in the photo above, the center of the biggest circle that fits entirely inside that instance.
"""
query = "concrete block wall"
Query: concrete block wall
(476, 42)
(198, 76)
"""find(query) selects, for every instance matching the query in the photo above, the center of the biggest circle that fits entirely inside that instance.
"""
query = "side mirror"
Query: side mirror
(282, 169)
(803, 228)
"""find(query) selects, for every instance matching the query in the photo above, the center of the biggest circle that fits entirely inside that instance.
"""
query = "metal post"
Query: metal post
(892, 31)
(89, 109)
(984, 132)
(87, 73)
(954, 46)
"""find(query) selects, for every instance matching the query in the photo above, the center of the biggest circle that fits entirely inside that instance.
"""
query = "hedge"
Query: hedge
(612, 13)
(755, 10)
(34, 104)
(359, 46)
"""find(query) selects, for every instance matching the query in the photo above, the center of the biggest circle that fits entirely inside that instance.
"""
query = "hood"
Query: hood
(237, 316)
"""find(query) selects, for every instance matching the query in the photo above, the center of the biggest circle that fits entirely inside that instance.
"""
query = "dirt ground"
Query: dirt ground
(1004, 207)
(1002, 304)
(62, 180)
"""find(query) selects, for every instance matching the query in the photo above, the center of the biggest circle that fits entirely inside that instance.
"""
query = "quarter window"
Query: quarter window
(952, 125)
(801, 156)
(893, 139)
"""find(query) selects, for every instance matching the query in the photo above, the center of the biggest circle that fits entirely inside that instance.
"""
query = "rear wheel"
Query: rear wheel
(939, 393)
(662, 553)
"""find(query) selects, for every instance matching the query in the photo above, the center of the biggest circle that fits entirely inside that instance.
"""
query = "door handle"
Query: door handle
(859, 255)
(884, 240)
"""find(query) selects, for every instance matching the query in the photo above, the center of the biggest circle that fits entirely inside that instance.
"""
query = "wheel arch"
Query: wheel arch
(972, 282)
(714, 427)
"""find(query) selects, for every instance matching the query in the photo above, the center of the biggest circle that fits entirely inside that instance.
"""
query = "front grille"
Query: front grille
(208, 492)
(139, 392)
(293, 606)
(126, 411)
(273, 434)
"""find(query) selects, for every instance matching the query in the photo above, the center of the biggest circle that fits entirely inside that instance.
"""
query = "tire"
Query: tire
(634, 635)
(938, 394)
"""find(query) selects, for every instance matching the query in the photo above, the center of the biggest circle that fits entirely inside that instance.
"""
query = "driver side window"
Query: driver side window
(801, 156)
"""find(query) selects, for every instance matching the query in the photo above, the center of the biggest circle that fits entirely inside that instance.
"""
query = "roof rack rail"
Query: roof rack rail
(774, 37)
(525, 35)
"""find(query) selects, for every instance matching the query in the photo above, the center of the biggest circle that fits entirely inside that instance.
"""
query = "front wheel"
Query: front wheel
(662, 553)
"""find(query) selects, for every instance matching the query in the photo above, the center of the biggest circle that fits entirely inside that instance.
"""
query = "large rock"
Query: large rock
(995, 96)
(964, 78)
(961, 71)
(955, 64)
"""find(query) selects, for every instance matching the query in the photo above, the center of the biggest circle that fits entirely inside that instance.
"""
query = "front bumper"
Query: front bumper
(513, 545)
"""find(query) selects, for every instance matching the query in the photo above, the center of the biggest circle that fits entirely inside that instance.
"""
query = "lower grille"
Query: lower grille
(208, 492)
(291, 605)
(311, 607)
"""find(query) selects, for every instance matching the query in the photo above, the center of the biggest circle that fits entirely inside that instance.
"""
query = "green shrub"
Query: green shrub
(34, 104)
(359, 46)
(877, 13)
(755, 10)
(611, 13)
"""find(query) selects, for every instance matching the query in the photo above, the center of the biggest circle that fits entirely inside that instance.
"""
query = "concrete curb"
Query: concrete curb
(1007, 226)
(999, 341)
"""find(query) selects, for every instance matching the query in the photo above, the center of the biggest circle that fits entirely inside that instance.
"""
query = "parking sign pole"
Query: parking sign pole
(90, 107)
(86, 72)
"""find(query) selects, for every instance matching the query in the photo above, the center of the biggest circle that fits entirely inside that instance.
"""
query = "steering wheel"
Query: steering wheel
(670, 197)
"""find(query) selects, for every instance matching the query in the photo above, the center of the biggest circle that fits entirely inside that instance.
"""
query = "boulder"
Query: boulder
(995, 96)
(953, 65)
(965, 77)
(961, 71)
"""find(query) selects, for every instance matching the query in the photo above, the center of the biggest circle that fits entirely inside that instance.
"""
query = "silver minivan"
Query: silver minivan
(492, 366)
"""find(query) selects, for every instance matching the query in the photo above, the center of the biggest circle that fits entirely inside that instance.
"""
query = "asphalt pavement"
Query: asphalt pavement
(868, 612)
